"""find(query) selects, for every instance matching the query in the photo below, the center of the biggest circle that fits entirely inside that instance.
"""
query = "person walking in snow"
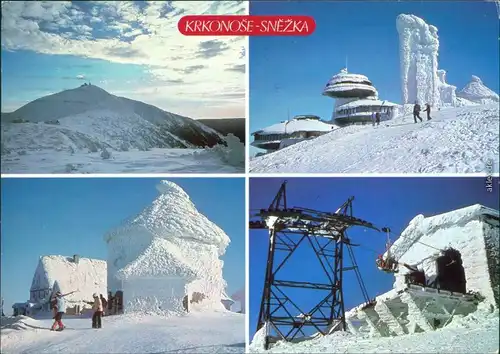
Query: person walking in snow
(416, 112)
(377, 118)
(60, 310)
(97, 307)
(428, 111)
(104, 304)
(374, 117)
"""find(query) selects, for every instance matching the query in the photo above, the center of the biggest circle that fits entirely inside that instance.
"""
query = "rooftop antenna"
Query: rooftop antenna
(346, 63)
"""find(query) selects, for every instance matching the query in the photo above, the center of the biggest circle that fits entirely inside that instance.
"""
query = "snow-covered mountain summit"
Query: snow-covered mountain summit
(476, 91)
(115, 122)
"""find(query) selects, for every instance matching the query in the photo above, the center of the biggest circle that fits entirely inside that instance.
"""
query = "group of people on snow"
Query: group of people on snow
(58, 304)
(417, 109)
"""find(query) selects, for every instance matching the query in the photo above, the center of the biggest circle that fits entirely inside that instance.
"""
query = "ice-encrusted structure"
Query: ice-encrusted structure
(418, 50)
(83, 276)
(166, 259)
(447, 92)
(410, 308)
(473, 231)
(421, 81)
(475, 91)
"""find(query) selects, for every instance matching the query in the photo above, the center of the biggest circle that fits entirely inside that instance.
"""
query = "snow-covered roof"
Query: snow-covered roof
(421, 226)
(476, 90)
(87, 276)
(296, 125)
(173, 215)
(344, 76)
(161, 259)
(366, 102)
(345, 81)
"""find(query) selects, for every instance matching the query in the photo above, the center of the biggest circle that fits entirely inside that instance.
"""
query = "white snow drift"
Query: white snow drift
(165, 253)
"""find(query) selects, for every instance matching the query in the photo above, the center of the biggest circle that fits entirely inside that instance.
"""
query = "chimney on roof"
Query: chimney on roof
(76, 258)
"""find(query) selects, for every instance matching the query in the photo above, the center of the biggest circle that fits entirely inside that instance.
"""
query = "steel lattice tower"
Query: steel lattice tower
(324, 233)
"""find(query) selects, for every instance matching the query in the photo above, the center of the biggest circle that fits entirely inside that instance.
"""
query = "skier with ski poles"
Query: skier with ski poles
(60, 309)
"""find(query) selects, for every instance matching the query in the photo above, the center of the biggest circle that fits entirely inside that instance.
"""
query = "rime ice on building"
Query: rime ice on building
(82, 276)
(289, 132)
(409, 307)
(166, 259)
(356, 99)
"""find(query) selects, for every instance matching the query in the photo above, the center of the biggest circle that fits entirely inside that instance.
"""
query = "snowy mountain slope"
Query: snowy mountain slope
(122, 130)
(32, 137)
(460, 139)
(83, 99)
(476, 91)
(195, 333)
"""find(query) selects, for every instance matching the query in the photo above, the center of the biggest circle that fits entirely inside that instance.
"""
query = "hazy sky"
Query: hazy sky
(129, 48)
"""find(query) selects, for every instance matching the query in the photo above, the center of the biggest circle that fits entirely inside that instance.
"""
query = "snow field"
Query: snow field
(216, 332)
(456, 140)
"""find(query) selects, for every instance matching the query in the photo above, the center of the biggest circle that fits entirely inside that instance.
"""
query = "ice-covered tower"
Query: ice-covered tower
(345, 87)
(167, 257)
(418, 50)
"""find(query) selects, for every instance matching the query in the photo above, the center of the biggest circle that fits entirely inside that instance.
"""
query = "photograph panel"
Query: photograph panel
(379, 87)
(114, 87)
(140, 265)
(365, 265)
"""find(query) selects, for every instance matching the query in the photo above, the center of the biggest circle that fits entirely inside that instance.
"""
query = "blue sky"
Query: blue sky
(70, 216)
(289, 73)
(391, 202)
(129, 48)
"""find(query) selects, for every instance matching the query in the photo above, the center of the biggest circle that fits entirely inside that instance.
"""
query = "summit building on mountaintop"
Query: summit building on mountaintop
(289, 132)
(356, 99)
(166, 259)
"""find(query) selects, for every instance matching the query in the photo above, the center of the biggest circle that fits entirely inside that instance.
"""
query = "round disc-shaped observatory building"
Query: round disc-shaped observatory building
(349, 86)
(355, 100)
